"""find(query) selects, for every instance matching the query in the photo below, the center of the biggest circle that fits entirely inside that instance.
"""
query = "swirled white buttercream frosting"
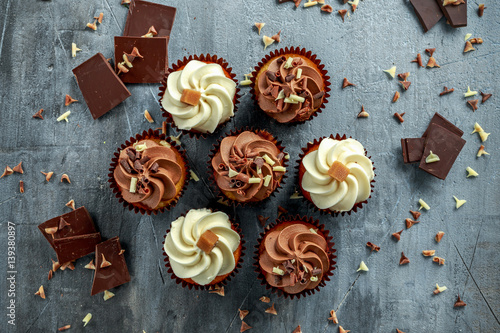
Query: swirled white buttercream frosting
(187, 260)
(328, 193)
(215, 105)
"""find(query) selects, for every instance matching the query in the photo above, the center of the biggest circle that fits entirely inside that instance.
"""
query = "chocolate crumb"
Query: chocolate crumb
(346, 83)
(38, 114)
(397, 235)
(484, 96)
(459, 302)
(403, 260)
(446, 91)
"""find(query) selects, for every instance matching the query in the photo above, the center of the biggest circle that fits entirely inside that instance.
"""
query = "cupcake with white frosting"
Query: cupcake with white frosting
(335, 175)
(203, 248)
(199, 95)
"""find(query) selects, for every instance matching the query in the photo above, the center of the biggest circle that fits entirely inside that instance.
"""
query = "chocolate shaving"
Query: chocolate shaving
(316, 271)
(399, 116)
(281, 59)
(342, 330)
(262, 220)
(265, 299)
(63, 224)
(125, 165)
(473, 104)
(21, 186)
(244, 327)
(333, 317)
(372, 246)
(418, 60)
(282, 211)
(217, 290)
(404, 76)
(432, 63)
(289, 77)
(51, 274)
(406, 84)
(277, 37)
(415, 214)
(64, 328)
(280, 156)
(468, 47)
(243, 313)
(410, 223)
(430, 52)
(459, 302)
(297, 330)
(131, 154)
(271, 310)
(138, 166)
(275, 91)
(342, 13)
(319, 95)
(18, 168)
(38, 114)
(68, 100)
(66, 178)
(403, 260)
(397, 235)
(446, 91)
(271, 76)
(480, 10)
(154, 168)
(289, 266)
(144, 160)
(484, 96)
(327, 8)
(346, 83)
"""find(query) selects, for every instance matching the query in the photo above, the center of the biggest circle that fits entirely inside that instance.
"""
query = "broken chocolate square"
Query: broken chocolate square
(110, 276)
(428, 12)
(413, 149)
(142, 15)
(455, 14)
(75, 247)
(101, 88)
(151, 67)
(447, 145)
(441, 121)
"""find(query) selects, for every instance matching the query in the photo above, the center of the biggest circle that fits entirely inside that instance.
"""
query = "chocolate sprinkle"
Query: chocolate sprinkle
(131, 154)
(154, 168)
(319, 95)
(289, 77)
(271, 76)
(125, 165)
(138, 166)
(144, 160)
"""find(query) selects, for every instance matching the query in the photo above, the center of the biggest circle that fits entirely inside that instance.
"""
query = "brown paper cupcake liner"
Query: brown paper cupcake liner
(301, 52)
(180, 65)
(210, 286)
(305, 194)
(150, 134)
(220, 194)
(331, 255)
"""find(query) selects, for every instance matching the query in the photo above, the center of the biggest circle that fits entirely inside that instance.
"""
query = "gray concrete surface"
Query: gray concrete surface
(35, 72)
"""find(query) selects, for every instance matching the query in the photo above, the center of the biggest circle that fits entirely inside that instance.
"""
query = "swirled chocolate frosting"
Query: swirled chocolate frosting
(290, 90)
(248, 167)
(295, 258)
(147, 173)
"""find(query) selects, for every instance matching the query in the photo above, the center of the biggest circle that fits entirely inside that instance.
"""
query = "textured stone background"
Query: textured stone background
(35, 72)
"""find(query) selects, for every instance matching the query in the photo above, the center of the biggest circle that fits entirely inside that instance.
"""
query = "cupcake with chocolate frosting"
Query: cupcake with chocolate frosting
(335, 175)
(247, 166)
(295, 256)
(148, 173)
(199, 94)
(203, 248)
(291, 85)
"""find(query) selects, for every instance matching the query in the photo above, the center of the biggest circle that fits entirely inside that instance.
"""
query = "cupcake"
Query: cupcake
(335, 175)
(199, 94)
(290, 85)
(295, 256)
(203, 249)
(148, 173)
(247, 166)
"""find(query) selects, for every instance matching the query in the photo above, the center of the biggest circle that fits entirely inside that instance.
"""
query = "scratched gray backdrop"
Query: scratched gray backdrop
(35, 72)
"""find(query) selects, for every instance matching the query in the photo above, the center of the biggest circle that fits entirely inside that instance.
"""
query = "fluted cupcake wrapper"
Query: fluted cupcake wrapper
(306, 195)
(302, 52)
(210, 286)
(321, 230)
(180, 65)
(150, 134)
(266, 135)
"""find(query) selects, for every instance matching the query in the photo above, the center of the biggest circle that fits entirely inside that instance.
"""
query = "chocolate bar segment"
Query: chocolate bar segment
(149, 69)
(111, 276)
(447, 145)
(413, 149)
(441, 121)
(428, 12)
(75, 247)
(101, 88)
(142, 15)
(80, 223)
(456, 15)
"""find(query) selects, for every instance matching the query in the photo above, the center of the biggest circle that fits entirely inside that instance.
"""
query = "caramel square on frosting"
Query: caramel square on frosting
(191, 97)
(207, 241)
(338, 171)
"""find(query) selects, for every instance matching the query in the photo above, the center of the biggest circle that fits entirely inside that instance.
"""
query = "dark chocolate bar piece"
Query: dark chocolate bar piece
(413, 149)
(149, 69)
(441, 121)
(80, 223)
(447, 145)
(142, 15)
(428, 12)
(75, 247)
(113, 275)
(101, 88)
(456, 15)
